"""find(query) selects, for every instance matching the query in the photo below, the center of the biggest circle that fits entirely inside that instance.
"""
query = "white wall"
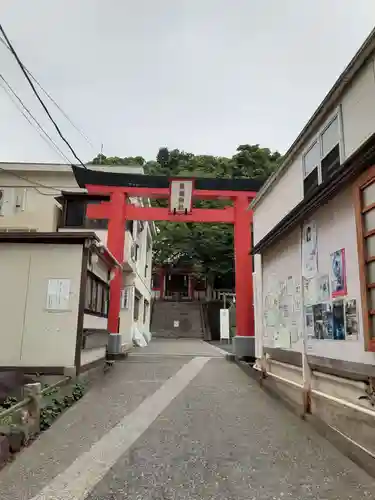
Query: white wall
(358, 124)
(31, 335)
(335, 230)
(358, 109)
(279, 263)
(40, 207)
(285, 195)
(40, 213)
(92, 322)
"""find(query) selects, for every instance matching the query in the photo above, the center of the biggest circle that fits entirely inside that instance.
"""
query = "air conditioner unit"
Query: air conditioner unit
(21, 199)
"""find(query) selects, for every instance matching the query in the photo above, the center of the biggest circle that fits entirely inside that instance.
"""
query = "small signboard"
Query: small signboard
(224, 324)
(176, 324)
(181, 196)
(58, 295)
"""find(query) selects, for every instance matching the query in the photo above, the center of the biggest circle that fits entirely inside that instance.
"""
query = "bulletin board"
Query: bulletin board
(311, 289)
(332, 293)
(282, 296)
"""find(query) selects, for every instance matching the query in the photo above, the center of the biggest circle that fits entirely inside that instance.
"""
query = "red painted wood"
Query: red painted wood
(225, 215)
(243, 268)
(116, 243)
(143, 192)
(117, 211)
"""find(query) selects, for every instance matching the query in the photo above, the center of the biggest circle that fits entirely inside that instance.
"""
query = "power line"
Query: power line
(53, 100)
(35, 183)
(39, 98)
(47, 138)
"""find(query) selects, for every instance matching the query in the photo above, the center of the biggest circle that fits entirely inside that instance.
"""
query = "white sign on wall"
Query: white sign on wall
(181, 193)
(58, 294)
(224, 324)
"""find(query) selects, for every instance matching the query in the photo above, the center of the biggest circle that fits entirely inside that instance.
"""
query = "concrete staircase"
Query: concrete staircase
(177, 320)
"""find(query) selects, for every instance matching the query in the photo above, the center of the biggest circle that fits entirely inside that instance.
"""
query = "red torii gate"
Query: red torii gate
(121, 186)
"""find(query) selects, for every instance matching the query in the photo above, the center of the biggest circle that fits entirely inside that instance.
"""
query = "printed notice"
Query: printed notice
(58, 295)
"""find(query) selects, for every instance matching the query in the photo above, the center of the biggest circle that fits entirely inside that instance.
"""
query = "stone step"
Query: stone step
(177, 320)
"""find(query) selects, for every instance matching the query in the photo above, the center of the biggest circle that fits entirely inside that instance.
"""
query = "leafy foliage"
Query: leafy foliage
(53, 409)
(207, 248)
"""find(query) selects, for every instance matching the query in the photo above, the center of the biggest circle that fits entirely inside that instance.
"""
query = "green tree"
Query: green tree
(208, 248)
(101, 159)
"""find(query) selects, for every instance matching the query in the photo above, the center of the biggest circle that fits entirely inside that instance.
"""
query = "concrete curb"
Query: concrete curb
(343, 443)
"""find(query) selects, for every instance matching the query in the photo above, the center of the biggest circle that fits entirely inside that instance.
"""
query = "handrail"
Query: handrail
(15, 407)
(26, 401)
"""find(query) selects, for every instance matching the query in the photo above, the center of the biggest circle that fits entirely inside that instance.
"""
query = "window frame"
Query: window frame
(126, 296)
(146, 308)
(137, 305)
(364, 180)
(318, 139)
(96, 283)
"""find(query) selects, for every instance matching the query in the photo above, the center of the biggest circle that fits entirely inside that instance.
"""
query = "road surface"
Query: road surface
(177, 421)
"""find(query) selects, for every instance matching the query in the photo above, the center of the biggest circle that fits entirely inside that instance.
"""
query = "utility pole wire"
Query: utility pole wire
(53, 100)
(39, 98)
(29, 116)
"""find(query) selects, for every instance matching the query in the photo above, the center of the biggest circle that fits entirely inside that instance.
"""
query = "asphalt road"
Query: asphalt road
(177, 421)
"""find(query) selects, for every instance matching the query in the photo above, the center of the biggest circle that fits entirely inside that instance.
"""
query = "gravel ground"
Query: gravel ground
(223, 438)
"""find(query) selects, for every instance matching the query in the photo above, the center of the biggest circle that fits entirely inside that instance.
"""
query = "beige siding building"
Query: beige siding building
(28, 202)
(314, 230)
(46, 308)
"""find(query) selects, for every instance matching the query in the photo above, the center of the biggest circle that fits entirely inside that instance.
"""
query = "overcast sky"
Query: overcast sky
(199, 75)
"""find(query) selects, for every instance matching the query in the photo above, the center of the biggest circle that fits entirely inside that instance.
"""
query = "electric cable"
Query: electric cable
(39, 98)
(41, 130)
(53, 101)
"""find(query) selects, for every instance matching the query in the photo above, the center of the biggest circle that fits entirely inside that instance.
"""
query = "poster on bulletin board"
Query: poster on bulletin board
(338, 273)
(309, 250)
(351, 319)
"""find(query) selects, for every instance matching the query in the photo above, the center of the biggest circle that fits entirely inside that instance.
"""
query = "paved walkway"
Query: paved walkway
(177, 421)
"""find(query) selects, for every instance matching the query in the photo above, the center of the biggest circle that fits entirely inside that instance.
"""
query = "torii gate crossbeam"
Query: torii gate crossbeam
(118, 210)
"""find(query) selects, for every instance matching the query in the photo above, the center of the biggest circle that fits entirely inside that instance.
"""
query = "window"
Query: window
(323, 156)
(137, 303)
(125, 297)
(97, 296)
(330, 137)
(312, 159)
(145, 311)
(75, 213)
(134, 252)
(364, 202)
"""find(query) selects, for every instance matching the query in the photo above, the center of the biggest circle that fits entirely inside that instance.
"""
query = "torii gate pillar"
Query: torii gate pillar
(118, 210)
(244, 341)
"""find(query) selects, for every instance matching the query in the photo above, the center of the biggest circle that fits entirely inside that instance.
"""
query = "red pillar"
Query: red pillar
(243, 268)
(115, 244)
(162, 283)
